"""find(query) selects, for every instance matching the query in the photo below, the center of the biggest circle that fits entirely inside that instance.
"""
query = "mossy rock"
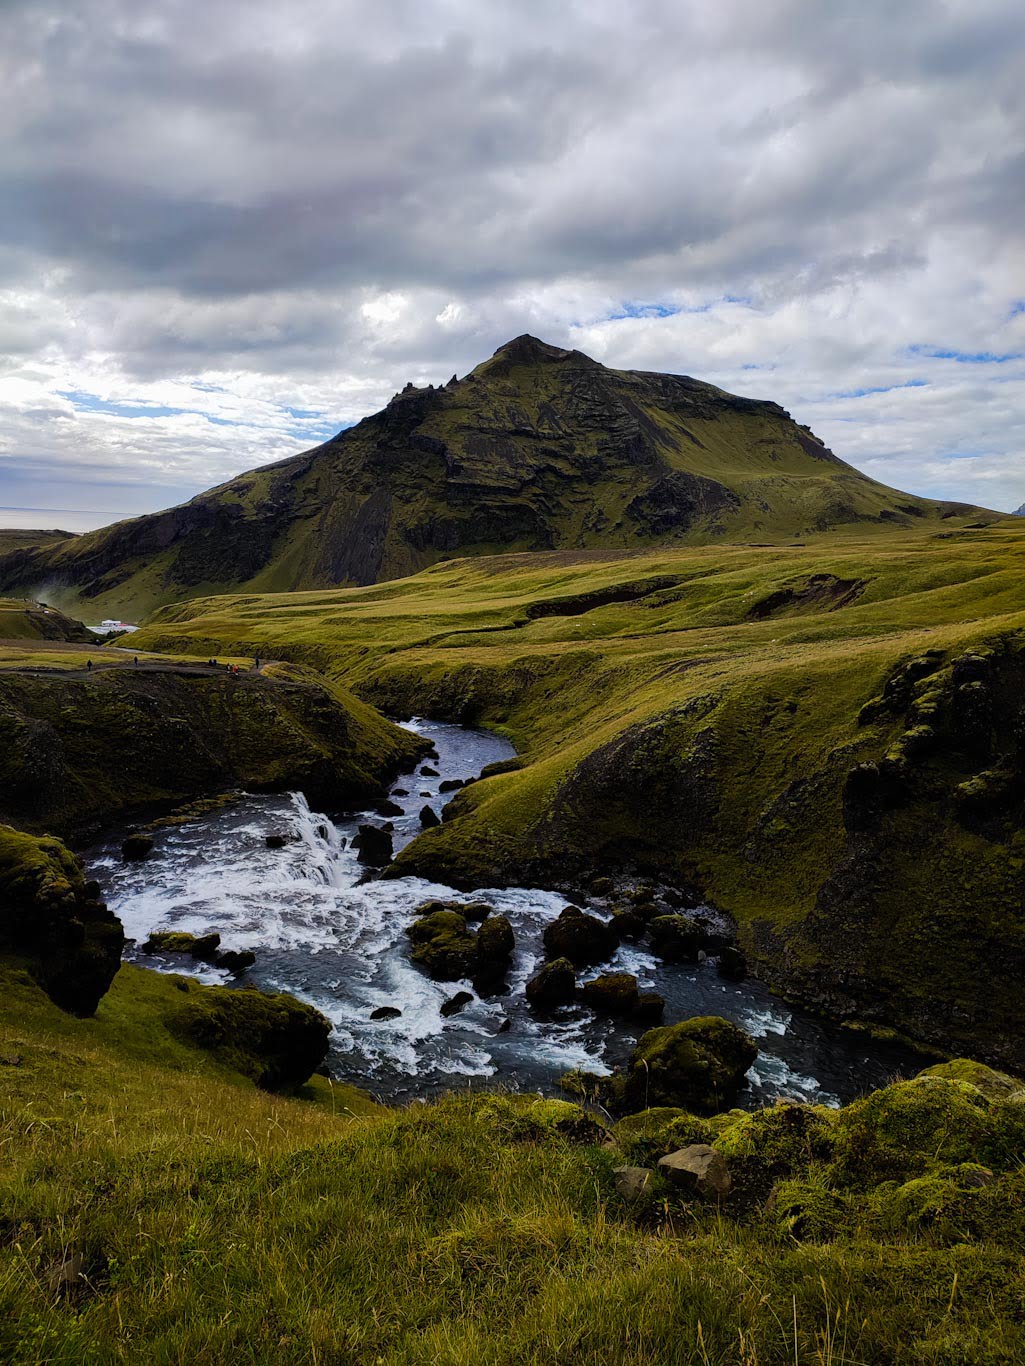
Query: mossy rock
(910, 1129)
(443, 945)
(274, 1039)
(650, 1134)
(203, 947)
(809, 1211)
(993, 1085)
(778, 1142)
(580, 937)
(613, 993)
(676, 938)
(70, 941)
(699, 1063)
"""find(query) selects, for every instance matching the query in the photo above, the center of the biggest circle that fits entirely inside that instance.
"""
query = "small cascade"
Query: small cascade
(324, 858)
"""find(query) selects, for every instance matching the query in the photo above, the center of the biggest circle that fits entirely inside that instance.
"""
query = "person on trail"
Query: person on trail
(135, 661)
(256, 664)
(89, 665)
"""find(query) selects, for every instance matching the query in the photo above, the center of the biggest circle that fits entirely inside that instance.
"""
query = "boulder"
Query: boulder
(475, 911)
(385, 1013)
(699, 1063)
(375, 846)
(633, 1183)
(456, 1003)
(386, 807)
(451, 784)
(676, 938)
(429, 818)
(697, 1170)
(495, 940)
(235, 960)
(443, 945)
(276, 841)
(650, 1006)
(555, 985)
(204, 946)
(627, 924)
(601, 886)
(732, 964)
(428, 772)
(136, 847)
(495, 944)
(400, 792)
(614, 993)
(53, 919)
(274, 1039)
(581, 938)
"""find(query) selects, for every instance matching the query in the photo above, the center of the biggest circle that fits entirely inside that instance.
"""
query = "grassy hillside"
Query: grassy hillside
(538, 448)
(824, 739)
(26, 621)
(156, 1206)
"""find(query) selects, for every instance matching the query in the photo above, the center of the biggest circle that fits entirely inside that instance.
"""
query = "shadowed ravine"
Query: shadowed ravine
(321, 933)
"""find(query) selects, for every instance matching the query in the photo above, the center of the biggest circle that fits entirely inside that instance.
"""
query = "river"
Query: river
(324, 934)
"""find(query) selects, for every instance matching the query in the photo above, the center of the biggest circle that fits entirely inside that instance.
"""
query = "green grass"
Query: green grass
(216, 1223)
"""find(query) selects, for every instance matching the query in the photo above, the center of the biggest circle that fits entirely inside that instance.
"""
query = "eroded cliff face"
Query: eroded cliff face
(53, 921)
(537, 448)
(78, 749)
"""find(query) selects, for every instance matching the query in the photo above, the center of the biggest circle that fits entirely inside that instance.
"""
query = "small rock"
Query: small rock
(70, 1275)
(505, 1026)
(425, 793)
(601, 886)
(450, 784)
(633, 1183)
(136, 847)
(10, 1059)
(554, 985)
(456, 1003)
(276, 841)
(387, 808)
(385, 1013)
(429, 818)
(697, 1169)
(205, 947)
(702, 956)
(400, 792)
(428, 772)
(322, 832)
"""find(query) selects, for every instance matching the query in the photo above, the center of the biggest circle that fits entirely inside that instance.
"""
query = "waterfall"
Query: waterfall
(323, 846)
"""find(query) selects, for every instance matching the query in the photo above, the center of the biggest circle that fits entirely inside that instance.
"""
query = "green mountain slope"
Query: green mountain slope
(536, 449)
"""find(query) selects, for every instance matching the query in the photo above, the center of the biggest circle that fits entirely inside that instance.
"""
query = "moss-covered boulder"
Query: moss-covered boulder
(994, 1085)
(613, 993)
(274, 1039)
(676, 938)
(698, 1063)
(202, 946)
(553, 985)
(52, 918)
(909, 1129)
(580, 937)
(443, 945)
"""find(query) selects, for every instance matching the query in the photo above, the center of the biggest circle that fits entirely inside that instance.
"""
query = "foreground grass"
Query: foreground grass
(219, 1224)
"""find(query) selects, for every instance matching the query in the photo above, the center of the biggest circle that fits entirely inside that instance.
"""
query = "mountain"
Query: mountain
(1020, 512)
(538, 448)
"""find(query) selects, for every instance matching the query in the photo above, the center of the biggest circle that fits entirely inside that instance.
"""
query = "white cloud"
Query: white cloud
(243, 212)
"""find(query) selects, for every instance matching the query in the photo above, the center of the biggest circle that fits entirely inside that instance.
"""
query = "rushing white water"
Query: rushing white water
(325, 932)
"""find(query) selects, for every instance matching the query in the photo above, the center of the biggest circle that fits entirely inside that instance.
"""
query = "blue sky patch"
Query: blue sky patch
(965, 357)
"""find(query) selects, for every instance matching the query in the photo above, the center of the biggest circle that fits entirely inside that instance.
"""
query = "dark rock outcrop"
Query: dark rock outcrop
(698, 1064)
(52, 918)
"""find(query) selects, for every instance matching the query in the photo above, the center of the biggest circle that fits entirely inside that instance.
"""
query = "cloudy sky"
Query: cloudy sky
(230, 227)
